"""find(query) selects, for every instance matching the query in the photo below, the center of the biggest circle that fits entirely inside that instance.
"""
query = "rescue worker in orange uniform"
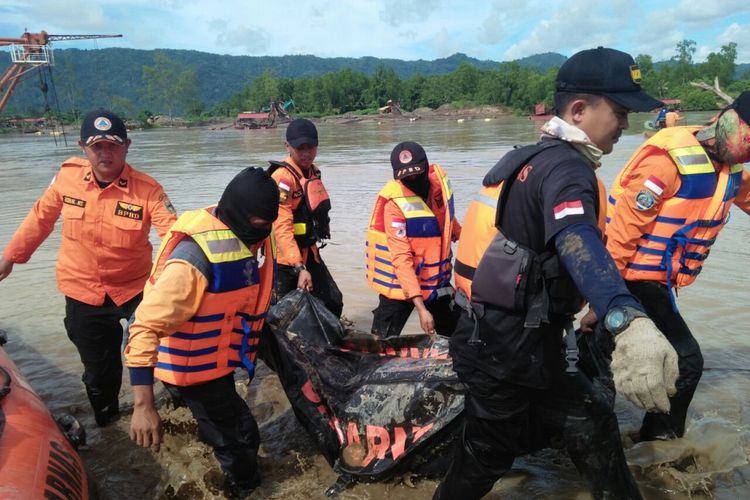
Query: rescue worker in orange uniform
(530, 252)
(303, 223)
(409, 246)
(202, 312)
(671, 118)
(666, 209)
(108, 208)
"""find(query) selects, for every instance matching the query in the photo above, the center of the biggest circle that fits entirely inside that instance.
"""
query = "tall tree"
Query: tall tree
(721, 65)
(685, 51)
(170, 86)
(684, 60)
(263, 91)
(384, 85)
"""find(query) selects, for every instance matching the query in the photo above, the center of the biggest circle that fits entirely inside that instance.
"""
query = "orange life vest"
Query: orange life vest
(310, 218)
(225, 331)
(479, 230)
(673, 247)
(430, 243)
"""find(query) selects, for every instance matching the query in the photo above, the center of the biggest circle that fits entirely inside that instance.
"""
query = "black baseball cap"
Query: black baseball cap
(408, 158)
(301, 131)
(741, 105)
(607, 72)
(102, 125)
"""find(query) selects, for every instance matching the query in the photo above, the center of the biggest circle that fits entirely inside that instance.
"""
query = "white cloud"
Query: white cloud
(505, 18)
(398, 12)
(738, 34)
(254, 41)
(408, 29)
(565, 32)
(700, 13)
(444, 44)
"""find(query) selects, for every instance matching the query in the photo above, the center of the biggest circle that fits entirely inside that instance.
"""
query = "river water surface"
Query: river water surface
(194, 166)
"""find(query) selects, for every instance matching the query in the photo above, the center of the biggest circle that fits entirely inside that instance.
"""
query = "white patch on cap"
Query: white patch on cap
(102, 123)
(404, 156)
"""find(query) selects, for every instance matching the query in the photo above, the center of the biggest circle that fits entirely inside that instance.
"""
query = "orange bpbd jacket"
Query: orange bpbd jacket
(105, 248)
(408, 240)
(285, 229)
(224, 332)
(667, 206)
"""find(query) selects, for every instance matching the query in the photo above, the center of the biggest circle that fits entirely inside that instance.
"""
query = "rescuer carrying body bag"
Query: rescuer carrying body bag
(512, 276)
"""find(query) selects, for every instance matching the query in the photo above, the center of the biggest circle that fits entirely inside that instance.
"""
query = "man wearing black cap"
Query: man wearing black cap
(303, 223)
(666, 209)
(201, 317)
(409, 246)
(530, 253)
(108, 208)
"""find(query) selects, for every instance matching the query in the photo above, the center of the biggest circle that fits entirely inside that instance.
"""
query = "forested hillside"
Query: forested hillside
(105, 74)
(140, 83)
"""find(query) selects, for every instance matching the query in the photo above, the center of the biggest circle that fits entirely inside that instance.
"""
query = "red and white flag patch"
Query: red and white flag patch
(399, 225)
(283, 185)
(655, 185)
(566, 208)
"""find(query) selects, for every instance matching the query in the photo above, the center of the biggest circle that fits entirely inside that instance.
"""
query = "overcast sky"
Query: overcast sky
(499, 30)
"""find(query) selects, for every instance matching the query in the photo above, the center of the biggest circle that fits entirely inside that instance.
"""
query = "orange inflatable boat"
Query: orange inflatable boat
(36, 459)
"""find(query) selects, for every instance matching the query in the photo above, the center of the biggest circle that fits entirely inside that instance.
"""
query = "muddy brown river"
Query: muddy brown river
(193, 165)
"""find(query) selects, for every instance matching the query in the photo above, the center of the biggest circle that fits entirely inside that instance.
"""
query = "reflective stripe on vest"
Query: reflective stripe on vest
(225, 331)
(429, 242)
(673, 247)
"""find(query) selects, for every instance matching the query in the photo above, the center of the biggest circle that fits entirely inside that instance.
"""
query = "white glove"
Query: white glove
(644, 366)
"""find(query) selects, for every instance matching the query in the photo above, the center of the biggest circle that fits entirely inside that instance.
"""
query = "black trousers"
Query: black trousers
(97, 334)
(503, 421)
(655, 299)
(324, 287)
(391, 315)
(224, 423)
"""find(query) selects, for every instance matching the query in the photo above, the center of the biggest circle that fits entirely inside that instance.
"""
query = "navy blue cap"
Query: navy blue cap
(408, 158)
(300, 132)
(102, 125)
(607, 72)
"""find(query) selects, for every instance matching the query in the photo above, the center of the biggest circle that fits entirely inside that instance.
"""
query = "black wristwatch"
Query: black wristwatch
(298, 268)
(619, 318)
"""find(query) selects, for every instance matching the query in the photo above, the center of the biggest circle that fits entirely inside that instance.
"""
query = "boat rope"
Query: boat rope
(57, 105)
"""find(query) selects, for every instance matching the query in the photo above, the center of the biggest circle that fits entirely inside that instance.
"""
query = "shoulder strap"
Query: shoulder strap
(275, 165)
(507, 168)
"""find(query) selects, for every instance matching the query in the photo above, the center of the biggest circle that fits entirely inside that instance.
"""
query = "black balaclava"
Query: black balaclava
(251, 192)
(419, 183)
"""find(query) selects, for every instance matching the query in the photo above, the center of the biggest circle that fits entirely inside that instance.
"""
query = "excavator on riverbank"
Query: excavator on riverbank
(268, 117)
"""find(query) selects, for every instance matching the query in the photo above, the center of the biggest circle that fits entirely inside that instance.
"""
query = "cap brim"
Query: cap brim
(634, 101)
(407, 171)
(299, 141)
(114, 139)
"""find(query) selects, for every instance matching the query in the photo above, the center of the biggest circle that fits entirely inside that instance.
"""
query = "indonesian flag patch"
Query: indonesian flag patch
(566, 208)
(655, 185)
(400, 226)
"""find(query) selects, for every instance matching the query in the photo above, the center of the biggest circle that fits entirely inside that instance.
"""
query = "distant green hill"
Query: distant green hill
(543, 62)
(95, 77)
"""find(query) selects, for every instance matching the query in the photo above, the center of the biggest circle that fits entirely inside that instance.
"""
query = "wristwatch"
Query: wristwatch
(618, 318)
(298, 268)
